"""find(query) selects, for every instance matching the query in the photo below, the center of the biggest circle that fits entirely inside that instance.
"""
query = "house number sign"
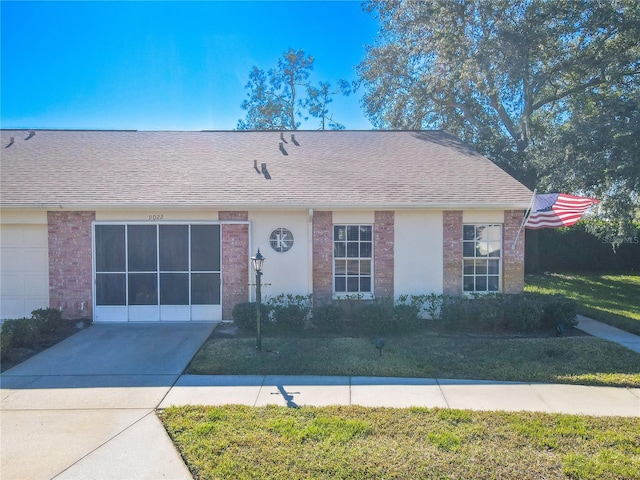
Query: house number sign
(281, 240)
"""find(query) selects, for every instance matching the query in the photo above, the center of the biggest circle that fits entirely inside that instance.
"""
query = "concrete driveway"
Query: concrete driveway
(85, 407)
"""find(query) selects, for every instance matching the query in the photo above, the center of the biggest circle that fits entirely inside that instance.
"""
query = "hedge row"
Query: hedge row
(25, 332)
(481, 313)
(526, 312)
(573, 249)
(279, 314)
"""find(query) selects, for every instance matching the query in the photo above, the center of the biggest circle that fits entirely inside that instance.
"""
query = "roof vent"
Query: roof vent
(255, 165)
(294, 141)
(282, 137)
(32, 133)
(11, 140)
(284, 152)
(265, 172)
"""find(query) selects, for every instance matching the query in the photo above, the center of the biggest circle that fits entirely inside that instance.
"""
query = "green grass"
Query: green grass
(239, 442)
(614, 299)
(574, 360)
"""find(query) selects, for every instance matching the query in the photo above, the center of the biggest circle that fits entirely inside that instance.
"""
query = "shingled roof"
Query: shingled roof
(319, 169)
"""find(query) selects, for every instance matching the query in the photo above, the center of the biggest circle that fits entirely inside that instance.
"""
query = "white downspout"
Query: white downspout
(310, 254)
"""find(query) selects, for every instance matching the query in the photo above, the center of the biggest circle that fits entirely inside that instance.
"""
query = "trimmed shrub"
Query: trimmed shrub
(244, 316)
(19, 332)
(433, 305)
(507, 312)
(559, 312)
(48, 319)
(487, 312)
(406, 313)
(453, 311)
(375, 316)
(522, 313)
(328, 318)
(288, 313)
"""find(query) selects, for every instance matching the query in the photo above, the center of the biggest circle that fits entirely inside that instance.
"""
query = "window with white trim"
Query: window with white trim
(352, 259)
(481, 258)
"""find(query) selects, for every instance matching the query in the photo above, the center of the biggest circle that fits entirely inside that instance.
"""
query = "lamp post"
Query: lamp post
(258, 261)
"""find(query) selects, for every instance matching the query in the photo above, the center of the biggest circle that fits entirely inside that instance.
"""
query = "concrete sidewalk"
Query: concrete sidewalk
(607, 332)
(295, 391)
(85, 408)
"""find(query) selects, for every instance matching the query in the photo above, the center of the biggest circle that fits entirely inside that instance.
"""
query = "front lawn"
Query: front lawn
(426, 353)
(383, 443)
(613, 299)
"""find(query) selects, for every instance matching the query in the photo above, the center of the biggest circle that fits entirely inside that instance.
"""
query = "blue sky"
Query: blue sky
(166, 65)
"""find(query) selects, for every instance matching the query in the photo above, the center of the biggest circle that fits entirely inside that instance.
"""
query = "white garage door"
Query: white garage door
(157, 272)
(24, 267)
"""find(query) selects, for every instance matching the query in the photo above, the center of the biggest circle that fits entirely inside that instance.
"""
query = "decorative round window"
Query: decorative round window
(281, 240)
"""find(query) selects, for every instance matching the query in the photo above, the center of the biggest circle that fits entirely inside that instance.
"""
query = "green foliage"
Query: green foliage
(507, 312)
(428, 353)
(328, 318)
(26, 332)
(282, 313)
(407, 313)
(279, 98)
(524, 313)
(547, 90)
(612, 299)
(48, 319)
(19, 332)
(433, 306)
(245, 315)
(559, 312)
(287, 313)
(574, 249)
(375, 316)
(353, 442)
(381, 315)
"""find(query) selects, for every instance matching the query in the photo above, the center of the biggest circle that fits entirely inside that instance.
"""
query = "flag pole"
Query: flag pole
(525, 218)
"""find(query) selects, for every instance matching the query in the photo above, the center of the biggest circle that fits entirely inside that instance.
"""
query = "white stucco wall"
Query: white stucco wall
(418, 252)
(287, 272)
(24, 263)
(483, 216)
(156, 215)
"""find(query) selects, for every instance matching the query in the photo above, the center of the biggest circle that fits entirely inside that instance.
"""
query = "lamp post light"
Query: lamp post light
(258, 261)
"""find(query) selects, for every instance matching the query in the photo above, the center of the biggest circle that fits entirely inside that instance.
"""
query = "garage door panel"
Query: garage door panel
(36, 284)
(12, 284)
(13, 259)
(12, 236)
(34, 258)
(24, 282)
(34, 236)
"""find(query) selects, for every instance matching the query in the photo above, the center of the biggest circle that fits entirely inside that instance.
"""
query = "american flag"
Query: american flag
(552, 210)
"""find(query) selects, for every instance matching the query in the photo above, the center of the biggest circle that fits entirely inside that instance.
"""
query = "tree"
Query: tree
(598, 151)
(279, 98)
(509, 77)
(319, 97)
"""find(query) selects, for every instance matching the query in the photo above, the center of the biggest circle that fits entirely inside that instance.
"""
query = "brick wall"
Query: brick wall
(322, 257)
(512, 258)
(235, 261)
(231, 215)
(383, 253)
(452, 252)
(70, 262)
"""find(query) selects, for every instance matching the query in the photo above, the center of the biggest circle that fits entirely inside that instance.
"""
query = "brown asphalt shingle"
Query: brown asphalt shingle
(322, 169)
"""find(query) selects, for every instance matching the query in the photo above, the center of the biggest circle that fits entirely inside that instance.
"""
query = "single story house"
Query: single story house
(160, 226)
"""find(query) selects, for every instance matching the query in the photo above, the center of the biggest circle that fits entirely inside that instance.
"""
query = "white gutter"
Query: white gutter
(277, 207)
